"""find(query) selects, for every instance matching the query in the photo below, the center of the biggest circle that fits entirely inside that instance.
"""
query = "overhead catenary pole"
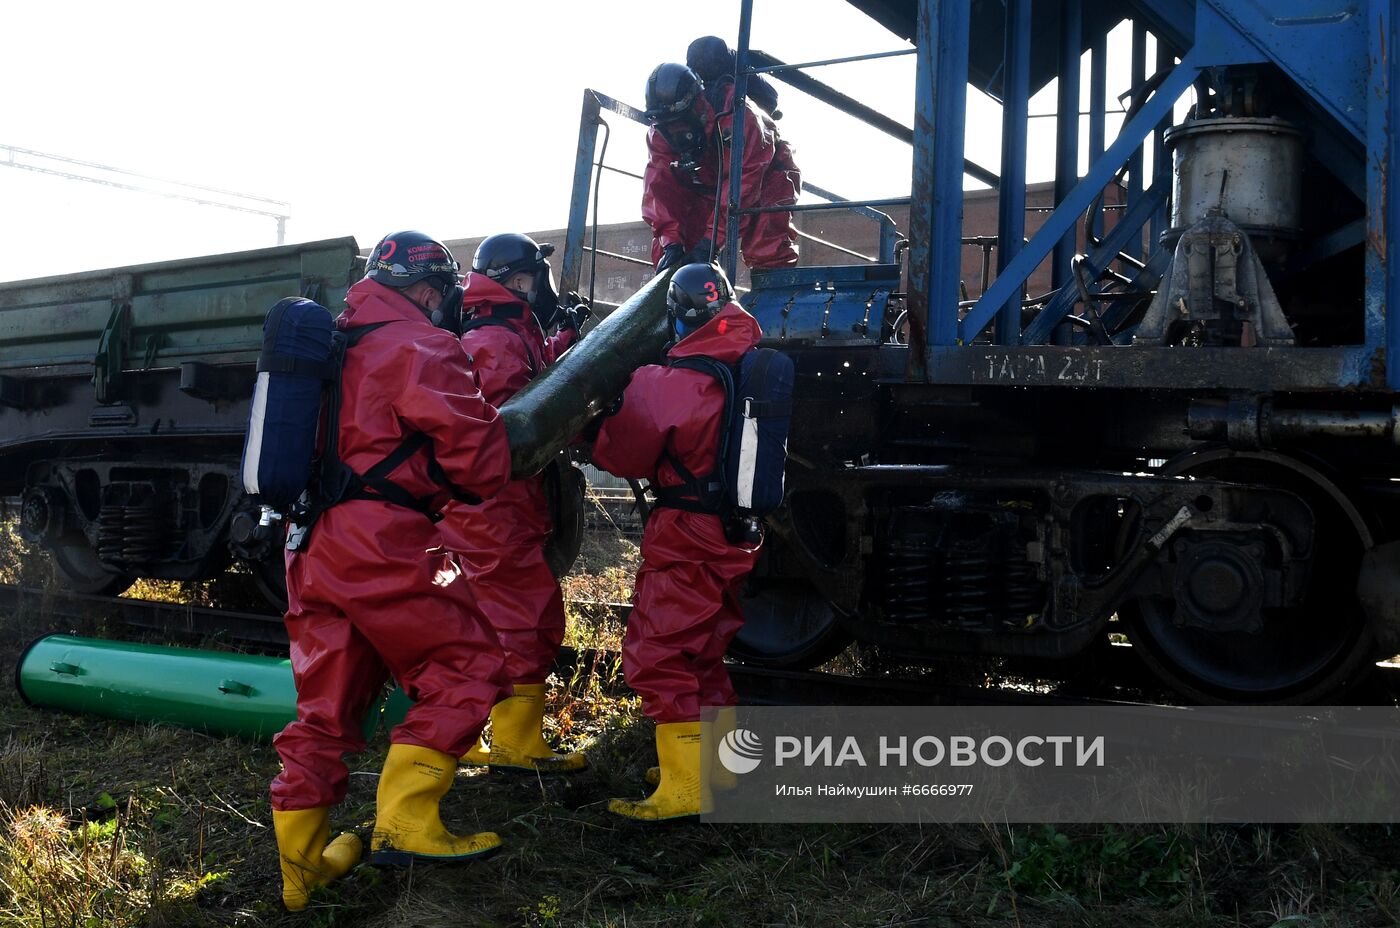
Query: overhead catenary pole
(243, 202)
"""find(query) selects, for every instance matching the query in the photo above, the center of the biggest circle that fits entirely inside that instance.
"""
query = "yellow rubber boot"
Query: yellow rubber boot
(680, 794)
(307, 860)
(407, 822)
(479, 754)
(720, 776)
(517, 735)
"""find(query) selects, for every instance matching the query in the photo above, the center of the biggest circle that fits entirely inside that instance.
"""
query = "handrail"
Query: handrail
(852, 107)
(771, 69)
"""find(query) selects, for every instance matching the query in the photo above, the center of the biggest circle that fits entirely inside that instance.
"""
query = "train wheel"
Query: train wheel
(270, 577)
(1304, 653)
(80, 571)
(788, 625)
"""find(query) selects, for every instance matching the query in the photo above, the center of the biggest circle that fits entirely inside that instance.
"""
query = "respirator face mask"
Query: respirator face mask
(448, 315)
(686, 136)
(544, 299)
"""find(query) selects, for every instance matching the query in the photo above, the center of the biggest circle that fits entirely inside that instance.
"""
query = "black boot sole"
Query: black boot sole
(391, 857)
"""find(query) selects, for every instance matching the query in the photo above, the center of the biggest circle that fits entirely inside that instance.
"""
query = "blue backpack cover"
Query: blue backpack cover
(758, 431)
(748, 477)
(295, 363)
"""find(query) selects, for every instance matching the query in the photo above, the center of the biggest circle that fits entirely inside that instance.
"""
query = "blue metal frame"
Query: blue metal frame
(1383, 197)
(582, 188)
(1067, 130)
(1137, 161)
(889, 233)
(1316, 42)
(1218, 43)
(935, 215)
(784, 66)
(1130, 223)
(1073, 206)
(1158, 223)
(851, 107)
(736, 142)
(1098, 90)
(1011, 195)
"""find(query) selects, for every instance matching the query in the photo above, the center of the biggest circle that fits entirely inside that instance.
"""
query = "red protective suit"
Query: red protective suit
(685, 609)
(501, 541)
(680, 205)
(375, 593)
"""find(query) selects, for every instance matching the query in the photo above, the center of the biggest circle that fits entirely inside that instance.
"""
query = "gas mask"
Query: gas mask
(686, 136)
(448, 315)
(542, 298)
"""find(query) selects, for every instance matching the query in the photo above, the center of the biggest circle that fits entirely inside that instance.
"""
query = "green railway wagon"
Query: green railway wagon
(123, 404)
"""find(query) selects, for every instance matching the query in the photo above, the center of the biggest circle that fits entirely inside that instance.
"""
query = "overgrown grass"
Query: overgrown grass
(603, 575)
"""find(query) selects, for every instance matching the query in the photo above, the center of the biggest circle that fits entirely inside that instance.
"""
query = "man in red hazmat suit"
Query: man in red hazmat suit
(686, 605)
(509, 304)
(715, 63)
(688, 159)
(373, 593)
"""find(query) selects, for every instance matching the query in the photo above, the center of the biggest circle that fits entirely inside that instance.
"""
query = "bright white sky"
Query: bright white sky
(457, 118)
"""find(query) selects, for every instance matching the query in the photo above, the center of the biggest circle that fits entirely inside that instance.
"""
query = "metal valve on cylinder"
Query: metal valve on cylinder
(254, 535)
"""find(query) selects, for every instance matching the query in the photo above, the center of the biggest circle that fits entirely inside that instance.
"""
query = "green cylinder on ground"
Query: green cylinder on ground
(546, 415)
(396, 708)
(213, 691)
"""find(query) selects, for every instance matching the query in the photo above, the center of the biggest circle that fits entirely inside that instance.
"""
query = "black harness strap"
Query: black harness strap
(695, 494)
(354, 333)
(340, 483)
(303, 366)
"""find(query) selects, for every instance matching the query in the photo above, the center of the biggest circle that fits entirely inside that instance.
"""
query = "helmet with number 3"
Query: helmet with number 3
(696, 295)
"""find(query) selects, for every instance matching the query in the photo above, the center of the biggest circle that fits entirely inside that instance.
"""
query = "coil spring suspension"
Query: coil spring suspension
(131, 528)
(907, 582)
(1024, 601)
(967, 590)
(965, 571)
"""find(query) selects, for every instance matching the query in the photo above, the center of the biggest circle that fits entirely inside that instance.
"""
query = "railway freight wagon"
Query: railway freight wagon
(123, 403)
(1190, 438)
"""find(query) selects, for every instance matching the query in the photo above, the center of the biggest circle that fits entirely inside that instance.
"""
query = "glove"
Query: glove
(576, 311)
(700, 254)
(670, 255)
(591, 430)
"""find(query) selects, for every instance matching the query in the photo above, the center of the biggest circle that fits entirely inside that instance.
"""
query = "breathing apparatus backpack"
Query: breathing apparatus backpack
(296, 399)
(747, 482)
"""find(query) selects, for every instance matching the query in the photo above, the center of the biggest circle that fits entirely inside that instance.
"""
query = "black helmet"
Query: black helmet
(713, 60)
(500, 257)
(401, 259)
(710, 57)
(696, 295)
(671, 91)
